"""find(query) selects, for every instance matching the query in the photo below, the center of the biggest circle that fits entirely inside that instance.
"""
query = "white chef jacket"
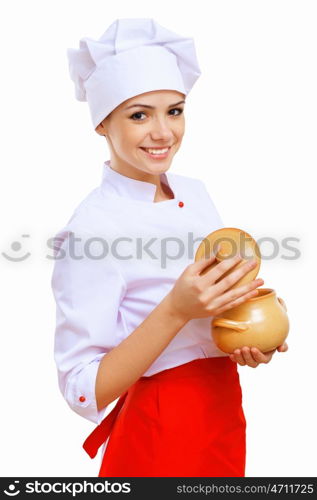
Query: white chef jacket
(128, 253)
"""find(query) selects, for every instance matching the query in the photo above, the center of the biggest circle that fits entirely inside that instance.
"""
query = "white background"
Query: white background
(250, 136)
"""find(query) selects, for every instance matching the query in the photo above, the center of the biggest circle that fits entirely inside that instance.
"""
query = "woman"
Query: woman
(133, 320)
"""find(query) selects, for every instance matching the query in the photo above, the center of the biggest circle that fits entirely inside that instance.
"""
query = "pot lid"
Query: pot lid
(227, 242)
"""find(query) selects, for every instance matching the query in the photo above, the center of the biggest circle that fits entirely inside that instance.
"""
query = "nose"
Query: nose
(161, 131)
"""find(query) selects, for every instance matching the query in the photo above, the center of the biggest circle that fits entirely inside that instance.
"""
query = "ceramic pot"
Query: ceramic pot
(225, 243)
(260, 322)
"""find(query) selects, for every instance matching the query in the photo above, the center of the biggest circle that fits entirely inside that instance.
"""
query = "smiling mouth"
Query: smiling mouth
(157, 151)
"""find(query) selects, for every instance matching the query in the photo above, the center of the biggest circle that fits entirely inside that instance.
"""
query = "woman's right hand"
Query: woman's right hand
(196, 296)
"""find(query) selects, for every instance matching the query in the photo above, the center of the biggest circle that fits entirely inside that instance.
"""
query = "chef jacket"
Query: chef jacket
(115, 260)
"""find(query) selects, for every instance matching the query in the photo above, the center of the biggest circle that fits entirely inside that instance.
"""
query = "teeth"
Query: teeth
(156, 151)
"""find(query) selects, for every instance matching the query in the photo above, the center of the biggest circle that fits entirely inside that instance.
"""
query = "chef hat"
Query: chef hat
(133, 56)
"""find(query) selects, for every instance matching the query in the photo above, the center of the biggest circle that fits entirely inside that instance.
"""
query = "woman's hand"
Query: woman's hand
(197, 295)
(253, 357)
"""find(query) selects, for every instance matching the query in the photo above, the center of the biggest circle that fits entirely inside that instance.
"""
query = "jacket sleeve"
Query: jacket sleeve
(88, 289)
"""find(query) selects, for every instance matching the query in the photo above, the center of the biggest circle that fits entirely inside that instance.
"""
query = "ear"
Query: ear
(100, 129)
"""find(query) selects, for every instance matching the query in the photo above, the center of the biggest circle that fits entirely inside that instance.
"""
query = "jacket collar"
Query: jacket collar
(119, 184)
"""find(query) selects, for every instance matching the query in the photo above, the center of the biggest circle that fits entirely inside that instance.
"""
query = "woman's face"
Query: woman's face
(153, 120)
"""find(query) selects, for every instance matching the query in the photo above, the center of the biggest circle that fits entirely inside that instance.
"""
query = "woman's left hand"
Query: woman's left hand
(253, 357)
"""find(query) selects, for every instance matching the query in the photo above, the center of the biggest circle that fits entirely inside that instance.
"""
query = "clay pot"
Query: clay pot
(260, 322)
(225, 243)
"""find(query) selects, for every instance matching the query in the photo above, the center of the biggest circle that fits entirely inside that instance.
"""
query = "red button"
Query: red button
(181, 204)
(82, 399)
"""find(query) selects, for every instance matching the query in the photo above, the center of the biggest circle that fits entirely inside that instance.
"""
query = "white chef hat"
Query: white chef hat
(133, 56)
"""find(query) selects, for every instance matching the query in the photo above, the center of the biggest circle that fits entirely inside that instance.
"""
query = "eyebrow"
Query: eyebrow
(151, 107)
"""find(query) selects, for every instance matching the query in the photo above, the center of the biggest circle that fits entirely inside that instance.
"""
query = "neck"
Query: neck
(163, 192)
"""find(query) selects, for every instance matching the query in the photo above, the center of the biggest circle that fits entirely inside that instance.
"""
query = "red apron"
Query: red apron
(186, 421)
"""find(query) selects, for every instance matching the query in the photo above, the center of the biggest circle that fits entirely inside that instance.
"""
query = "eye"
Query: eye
(137, 114)
(177, 109)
